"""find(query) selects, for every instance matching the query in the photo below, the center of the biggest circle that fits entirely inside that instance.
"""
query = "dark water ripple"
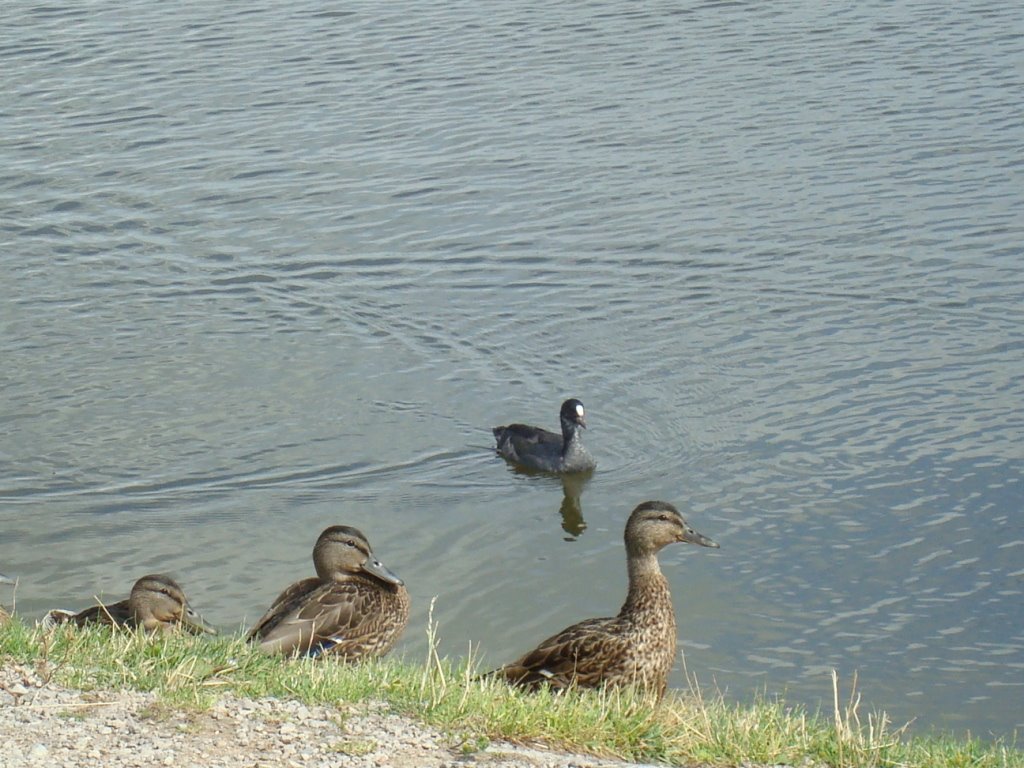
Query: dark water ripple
(273, 267)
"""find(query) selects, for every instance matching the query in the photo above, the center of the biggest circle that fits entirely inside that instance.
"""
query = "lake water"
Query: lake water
(272, 267)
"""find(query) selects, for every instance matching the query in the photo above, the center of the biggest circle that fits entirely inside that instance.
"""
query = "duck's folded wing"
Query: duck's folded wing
(354, 621)
(111, 613)
(285, 603)
(333, 618)
(580, 655)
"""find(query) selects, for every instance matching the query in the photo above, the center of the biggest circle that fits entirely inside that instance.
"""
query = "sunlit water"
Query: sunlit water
(271, 268)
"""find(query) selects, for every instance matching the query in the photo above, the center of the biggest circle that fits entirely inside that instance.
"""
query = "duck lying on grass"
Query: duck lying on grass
(353, 608)
(156, 602)
(635, 648)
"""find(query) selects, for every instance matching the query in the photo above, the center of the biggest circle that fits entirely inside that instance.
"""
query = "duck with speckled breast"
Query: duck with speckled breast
(638, 646)
(354, 607)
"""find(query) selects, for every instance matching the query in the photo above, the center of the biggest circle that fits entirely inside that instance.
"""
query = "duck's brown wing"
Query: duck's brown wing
(281, 606)
(111, 613)
(584, 654)
(349, 619)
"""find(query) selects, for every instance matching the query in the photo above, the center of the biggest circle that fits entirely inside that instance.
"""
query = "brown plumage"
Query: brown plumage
(156, 602)
(638, 646)
(353, 608)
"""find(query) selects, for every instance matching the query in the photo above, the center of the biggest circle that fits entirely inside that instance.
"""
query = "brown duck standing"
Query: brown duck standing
(354, 607)
(638, 646)
(156, 602)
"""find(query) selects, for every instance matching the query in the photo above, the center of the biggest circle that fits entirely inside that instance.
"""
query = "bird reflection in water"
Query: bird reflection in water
(570, 509)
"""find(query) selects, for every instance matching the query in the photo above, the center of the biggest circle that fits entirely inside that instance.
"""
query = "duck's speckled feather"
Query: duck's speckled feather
(354, 617)
(606, 651)
(119, 613)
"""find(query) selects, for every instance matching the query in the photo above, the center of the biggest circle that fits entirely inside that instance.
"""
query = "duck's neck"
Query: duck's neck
(648, 588)
(570, 437)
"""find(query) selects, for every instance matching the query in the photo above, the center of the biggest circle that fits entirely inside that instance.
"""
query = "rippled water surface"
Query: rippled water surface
(274, 267)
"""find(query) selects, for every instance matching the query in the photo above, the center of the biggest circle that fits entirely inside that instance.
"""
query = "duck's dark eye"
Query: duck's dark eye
(663, 517)
(350, 543)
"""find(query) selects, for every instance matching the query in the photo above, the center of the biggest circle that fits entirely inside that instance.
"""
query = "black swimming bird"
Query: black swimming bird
(537, 448)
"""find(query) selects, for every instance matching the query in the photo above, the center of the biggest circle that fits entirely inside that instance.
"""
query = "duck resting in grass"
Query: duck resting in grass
(353, 608)
(156, 603)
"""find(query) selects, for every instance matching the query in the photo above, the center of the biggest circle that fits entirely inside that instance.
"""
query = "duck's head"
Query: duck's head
(573, 413)
(157, 602)
(655, 524)
(342, 550)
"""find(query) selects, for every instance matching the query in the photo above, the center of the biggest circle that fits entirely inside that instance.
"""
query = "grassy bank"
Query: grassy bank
(686, 728)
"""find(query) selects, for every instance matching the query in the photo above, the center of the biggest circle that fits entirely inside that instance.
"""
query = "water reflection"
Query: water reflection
(571, 508)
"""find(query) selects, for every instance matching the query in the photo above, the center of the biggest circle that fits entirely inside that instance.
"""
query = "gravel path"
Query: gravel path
(42, 724)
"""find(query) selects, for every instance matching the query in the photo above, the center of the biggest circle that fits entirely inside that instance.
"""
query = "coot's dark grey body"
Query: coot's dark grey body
(537, 448)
